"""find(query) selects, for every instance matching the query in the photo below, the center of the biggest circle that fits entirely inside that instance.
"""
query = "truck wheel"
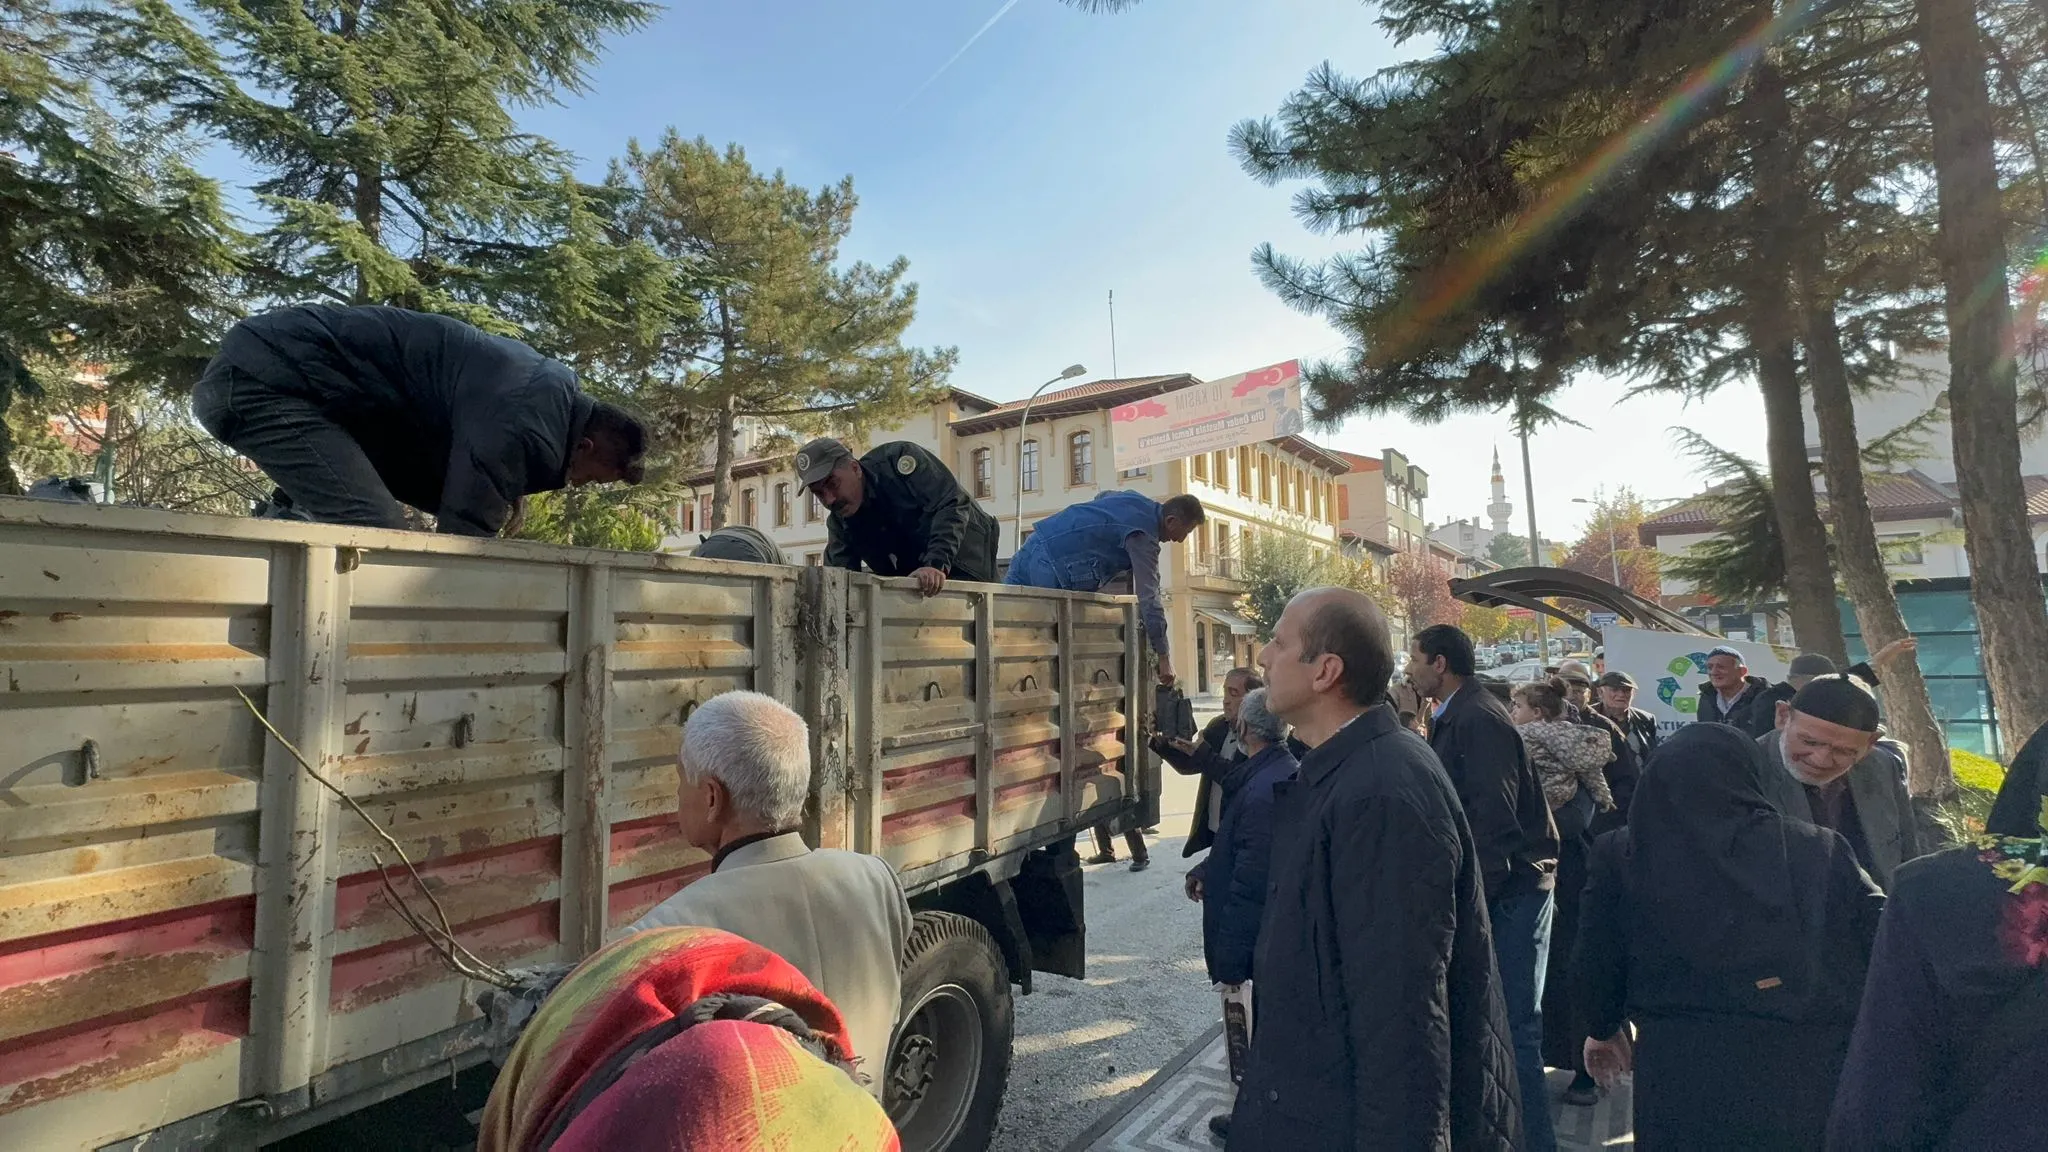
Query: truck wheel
(951, 1057)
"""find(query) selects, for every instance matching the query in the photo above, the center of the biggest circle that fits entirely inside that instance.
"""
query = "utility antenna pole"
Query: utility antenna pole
(1536, 557)
(1112, 334)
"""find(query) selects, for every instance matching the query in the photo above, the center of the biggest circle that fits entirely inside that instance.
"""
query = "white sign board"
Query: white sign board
(1669, 668)
(1243, 409)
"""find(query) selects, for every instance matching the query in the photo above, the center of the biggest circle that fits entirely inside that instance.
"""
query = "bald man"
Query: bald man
(1377, 1012)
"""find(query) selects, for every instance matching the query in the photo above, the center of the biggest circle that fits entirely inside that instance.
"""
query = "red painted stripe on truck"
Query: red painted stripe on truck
(370, 975)
(116, 1050)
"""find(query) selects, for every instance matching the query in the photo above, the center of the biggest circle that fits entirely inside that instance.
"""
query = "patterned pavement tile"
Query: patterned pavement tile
(1171, 1113)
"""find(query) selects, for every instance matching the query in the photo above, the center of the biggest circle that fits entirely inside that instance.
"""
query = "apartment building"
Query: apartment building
(1379, 499)
(1022, 473)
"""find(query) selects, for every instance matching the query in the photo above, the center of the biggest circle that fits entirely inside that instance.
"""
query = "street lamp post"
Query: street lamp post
(1613, 557)
(1017, 530)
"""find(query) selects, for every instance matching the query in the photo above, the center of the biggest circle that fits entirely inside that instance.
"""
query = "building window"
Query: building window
(1028, 465)
(814, 559)
(1221, 466)
(984, 474)
(1200, 467)
(782, 505)
(1080, 459)
(687, 516)
(1244, 471)
(1265, 478)
(812, 509)
(749, 510)
(1133, 473)
(1201, 539)
(704, 512)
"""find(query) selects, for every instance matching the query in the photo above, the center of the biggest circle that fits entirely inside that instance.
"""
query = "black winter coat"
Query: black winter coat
(1234, 875)
(1499, 790)
(1378, 1016)
(1744, 713)
(457, 422)
(1208, 762)
(915, 515)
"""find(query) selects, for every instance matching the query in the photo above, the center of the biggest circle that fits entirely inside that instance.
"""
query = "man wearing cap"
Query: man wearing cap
(1625, 767)
(899, 511)
(1730, 694)
(1807, 665)
(1615, 697)
(1826, 768)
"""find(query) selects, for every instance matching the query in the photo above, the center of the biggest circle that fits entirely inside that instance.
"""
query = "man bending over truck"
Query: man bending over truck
(839, 917)
(1084, 546)
(900, 511)
(355, 410)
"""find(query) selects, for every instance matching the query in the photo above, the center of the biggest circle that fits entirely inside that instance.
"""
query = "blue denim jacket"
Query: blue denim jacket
(1082, 547)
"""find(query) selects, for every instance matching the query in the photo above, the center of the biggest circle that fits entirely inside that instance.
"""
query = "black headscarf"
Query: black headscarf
(2017, 811)
(1714, 879)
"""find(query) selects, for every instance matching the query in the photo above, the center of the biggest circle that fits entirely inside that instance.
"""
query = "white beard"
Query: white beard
(1799, 771)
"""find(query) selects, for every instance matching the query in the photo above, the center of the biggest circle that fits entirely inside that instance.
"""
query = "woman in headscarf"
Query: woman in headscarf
(683, 1039)
(1734, 940)
(1949, 1049)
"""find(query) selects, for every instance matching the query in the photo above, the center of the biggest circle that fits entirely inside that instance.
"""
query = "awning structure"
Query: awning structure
(1238, 625)
(1529, 587)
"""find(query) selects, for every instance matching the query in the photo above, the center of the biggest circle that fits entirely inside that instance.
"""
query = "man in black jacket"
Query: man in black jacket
(353, 411)
(1615, 699)
(1764, 717)
(900, 511)
(1731, 694)
(1377, 1019)
(1503, 799)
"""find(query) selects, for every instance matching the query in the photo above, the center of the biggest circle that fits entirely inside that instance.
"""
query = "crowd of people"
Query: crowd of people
(1425, 893)
(1543, 878)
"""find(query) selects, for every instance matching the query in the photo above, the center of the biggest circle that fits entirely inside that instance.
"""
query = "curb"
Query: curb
(1114, 1116)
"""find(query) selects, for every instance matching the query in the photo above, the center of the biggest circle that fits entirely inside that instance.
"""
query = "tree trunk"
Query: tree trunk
(369, 212)
(721, 469)
(1773, 333)
(2005, 583)
(9, 486)
(1870, 589)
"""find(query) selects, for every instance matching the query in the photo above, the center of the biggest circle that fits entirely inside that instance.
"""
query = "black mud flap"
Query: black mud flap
(1048, 899)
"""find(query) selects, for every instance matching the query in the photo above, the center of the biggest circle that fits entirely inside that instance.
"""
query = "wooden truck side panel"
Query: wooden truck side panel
(195, 939)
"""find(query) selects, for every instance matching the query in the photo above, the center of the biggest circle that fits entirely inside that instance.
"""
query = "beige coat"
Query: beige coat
(839, 917)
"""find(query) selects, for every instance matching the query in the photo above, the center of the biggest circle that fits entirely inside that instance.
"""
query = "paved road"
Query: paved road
(1084, 1045)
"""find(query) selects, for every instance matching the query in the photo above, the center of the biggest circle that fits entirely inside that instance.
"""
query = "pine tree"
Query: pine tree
(112, 249)
(391, 162)
(784, 333)
(1983, 394)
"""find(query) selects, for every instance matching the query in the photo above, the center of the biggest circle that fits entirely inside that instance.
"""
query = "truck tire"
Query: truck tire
(951, 1056)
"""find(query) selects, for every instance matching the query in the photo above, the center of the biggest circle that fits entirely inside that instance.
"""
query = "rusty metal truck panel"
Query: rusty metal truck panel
(193, 930)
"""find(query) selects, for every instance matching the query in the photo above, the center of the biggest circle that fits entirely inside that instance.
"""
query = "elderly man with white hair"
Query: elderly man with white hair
(1231, 881)
(839, 917)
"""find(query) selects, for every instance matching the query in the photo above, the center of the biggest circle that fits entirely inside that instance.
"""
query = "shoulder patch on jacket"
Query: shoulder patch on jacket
(906, 464)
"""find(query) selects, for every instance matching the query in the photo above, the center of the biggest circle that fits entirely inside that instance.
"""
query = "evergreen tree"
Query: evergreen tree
(1983, 372)
(784, 333)
(112, 250)
(391, 162)
(1508, 550)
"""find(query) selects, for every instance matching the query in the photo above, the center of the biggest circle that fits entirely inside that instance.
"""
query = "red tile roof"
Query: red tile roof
(1360, 463)
(1893, 496)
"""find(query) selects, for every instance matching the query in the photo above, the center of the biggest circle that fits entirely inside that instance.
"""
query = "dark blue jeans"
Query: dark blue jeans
(1521, 946)
(316, 461)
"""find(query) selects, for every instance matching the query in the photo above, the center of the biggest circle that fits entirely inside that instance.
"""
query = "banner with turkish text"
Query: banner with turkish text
(1260, 405)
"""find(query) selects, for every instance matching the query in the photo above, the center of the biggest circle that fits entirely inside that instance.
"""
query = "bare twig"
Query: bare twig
(442, 938)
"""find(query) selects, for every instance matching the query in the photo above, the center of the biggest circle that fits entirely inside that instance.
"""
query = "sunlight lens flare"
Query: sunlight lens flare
(1459, 281)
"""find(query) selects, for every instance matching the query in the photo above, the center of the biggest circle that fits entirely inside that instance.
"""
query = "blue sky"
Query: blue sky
(1066, 155)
